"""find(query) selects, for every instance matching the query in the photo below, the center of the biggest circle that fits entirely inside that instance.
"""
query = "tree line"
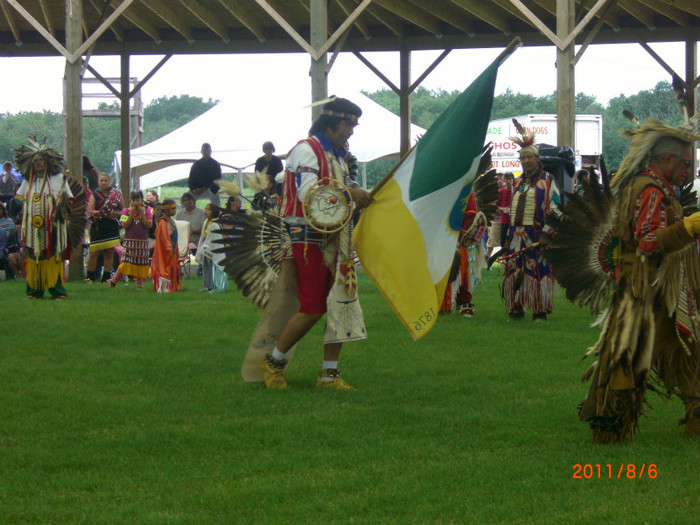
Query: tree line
(101, 135)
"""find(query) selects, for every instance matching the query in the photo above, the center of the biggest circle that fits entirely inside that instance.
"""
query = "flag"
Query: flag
(406, 238)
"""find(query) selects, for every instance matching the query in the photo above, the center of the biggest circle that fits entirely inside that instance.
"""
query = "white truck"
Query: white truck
(589, 139)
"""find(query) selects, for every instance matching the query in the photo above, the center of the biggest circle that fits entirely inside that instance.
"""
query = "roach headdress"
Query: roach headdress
(525, 139)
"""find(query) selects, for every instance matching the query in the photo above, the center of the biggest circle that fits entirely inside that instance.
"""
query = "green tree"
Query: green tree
(101, 135)
(659, 103)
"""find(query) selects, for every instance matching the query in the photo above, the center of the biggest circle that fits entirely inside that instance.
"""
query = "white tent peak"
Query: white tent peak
(236, 130)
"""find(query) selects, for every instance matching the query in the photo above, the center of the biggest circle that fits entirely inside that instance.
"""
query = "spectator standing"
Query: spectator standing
(271, 165)
(505, 196)
(8, 183)
(151, 198)
(205, 256)
(203, 173)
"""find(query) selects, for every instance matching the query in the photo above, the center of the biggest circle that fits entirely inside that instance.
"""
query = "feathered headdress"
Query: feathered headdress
(642, 140)
(26, 154)
(525, 139)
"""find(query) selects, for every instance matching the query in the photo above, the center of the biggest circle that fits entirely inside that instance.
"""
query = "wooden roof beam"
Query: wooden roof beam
(282, 9)
(509, 8)
(207, 18)
(419, 17)
(485, 13)
(51, 28)
(348, 8)
(143, 25)
(169, 16)
(450, 14)
(244, 17)
(602, 18)
(640, 12)
(681, 18)
(689, 6)
(115, 27)
(10, 17)
(389, 19)
(291, 31)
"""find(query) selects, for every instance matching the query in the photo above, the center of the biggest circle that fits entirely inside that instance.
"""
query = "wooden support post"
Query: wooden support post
(405, 99)
(72, 120)
(566, 100)
(125, 182)
(691, 71)
(319, 32)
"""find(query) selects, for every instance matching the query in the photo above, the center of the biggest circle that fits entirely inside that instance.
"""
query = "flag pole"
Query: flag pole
(510, 48)
(389, 175)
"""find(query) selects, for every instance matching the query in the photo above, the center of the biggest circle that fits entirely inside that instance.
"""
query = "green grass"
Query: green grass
(123, 406)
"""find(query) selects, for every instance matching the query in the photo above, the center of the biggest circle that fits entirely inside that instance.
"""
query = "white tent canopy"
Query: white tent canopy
(236, 130)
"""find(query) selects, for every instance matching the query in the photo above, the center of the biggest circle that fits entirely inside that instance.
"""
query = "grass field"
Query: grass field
(123, 406)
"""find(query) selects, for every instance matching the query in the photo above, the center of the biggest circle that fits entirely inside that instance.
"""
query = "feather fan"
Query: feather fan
(486, 194)
(258, 181)
(582, 249)
(228, 187)
(254, 247)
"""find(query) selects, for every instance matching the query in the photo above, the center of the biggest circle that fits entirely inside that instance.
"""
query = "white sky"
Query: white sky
(605, 71)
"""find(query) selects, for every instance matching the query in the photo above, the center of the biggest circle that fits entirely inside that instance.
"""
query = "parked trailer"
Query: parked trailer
(588, 140)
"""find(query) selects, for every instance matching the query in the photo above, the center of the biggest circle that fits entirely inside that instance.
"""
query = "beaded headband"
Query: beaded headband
(347, 116)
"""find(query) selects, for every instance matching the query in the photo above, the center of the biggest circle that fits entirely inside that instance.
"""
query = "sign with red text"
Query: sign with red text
(505, 157)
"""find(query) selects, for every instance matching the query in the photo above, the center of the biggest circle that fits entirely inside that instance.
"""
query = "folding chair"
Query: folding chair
(184, 246)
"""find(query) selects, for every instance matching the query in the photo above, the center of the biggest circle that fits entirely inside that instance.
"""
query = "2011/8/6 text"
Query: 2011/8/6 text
(629, 471)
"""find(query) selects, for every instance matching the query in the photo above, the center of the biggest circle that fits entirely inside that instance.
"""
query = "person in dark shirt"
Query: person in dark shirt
(271, 165)
(202, 176)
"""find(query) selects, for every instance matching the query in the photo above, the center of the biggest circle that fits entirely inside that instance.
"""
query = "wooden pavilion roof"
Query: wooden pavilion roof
(274, 26)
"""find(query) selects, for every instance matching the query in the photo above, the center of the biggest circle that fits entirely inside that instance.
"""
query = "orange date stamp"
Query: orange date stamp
(609, 471)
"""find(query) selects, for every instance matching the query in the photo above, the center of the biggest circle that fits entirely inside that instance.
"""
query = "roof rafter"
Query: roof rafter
(448, 12)
(348, 8)
(282, 10)
(114, 27)
(413, 14)
(169, 16)
(50, 26)
(640, 12)
(681, 18)
(486, 14)
(9, 16)
(206, 16)
(245, 18)
(143, 25)
(689, 6)
(389, 19)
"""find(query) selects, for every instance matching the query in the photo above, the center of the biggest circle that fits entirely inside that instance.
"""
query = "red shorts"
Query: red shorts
(313, 278)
